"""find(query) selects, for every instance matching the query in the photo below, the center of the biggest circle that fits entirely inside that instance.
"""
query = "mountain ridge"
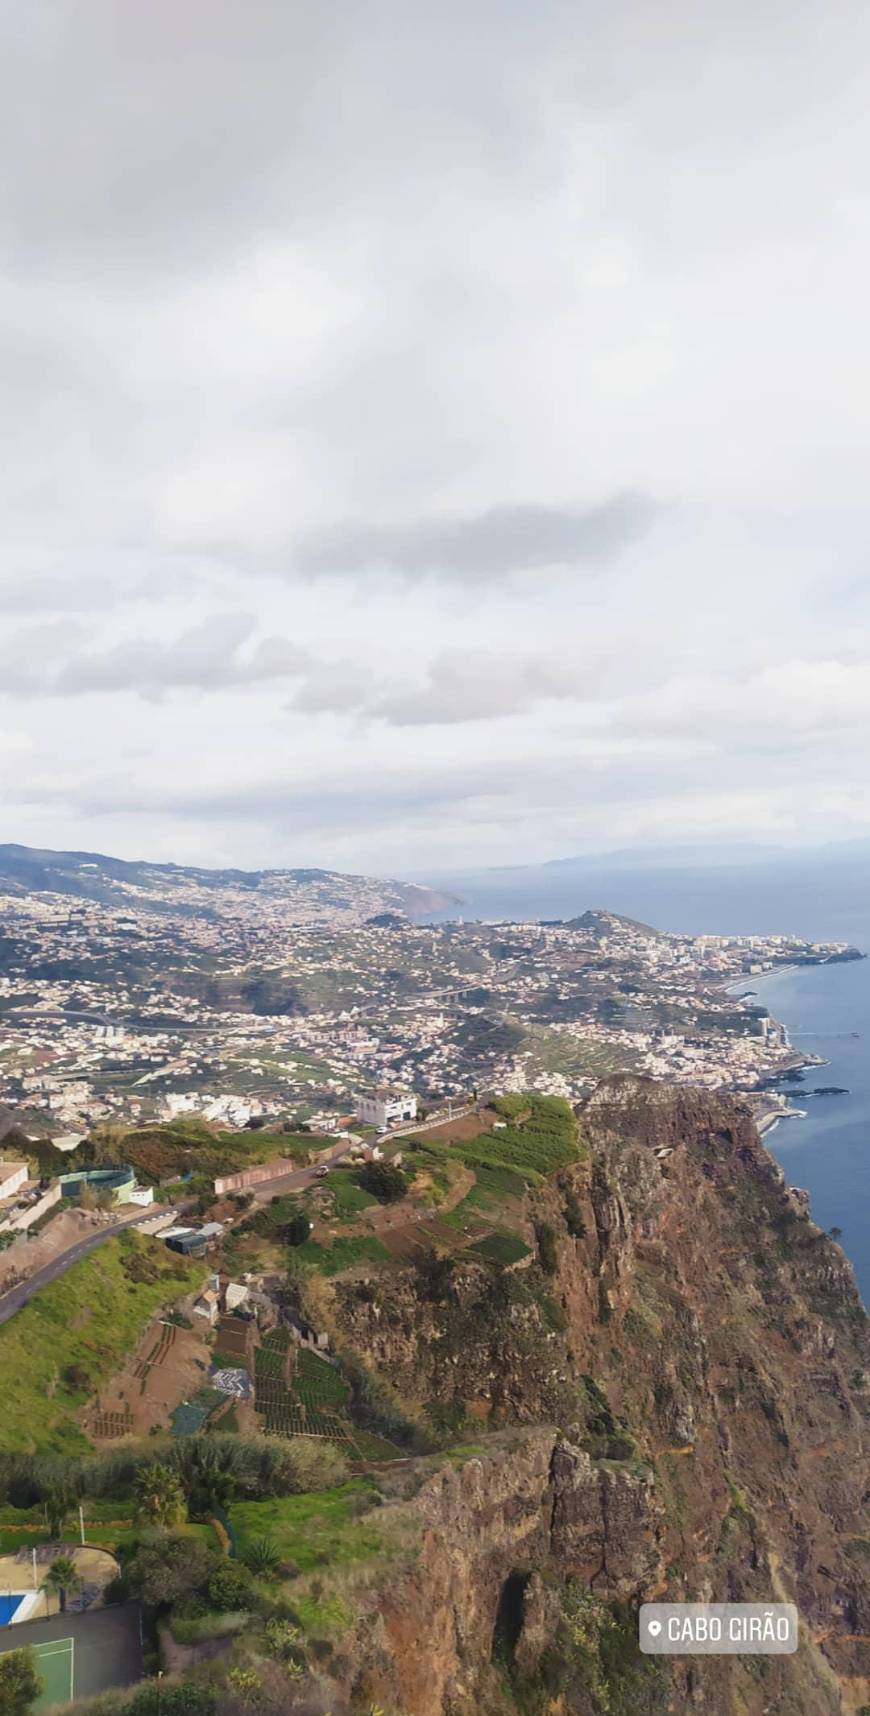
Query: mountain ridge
(106, 880)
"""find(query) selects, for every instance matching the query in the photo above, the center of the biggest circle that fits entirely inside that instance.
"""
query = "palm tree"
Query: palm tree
(59, 1496)
(159, 1496)
(63, 1577)
(55, 1508)
(203, 1469)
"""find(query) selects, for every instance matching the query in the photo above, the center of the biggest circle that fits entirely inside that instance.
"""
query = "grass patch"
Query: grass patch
(93, 1316)
(532, 1147)
(342, 1253)
(227, 1361)
(349, 1197)
(376, 1448)
(319, 1529)
(193, 1630)
(502, 1249)
(322, 1617)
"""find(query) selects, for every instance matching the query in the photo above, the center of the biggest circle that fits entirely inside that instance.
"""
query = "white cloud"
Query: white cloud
(335, 343)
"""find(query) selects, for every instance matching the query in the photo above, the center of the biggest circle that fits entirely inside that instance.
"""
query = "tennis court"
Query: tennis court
(78, 1656)
(55, 1665)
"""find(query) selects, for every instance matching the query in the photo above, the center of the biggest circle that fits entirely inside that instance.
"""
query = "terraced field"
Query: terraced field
(313, 1401)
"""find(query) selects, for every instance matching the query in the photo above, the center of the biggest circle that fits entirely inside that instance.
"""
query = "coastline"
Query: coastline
(828, 1154)
(767, 1123)
(798, 1060)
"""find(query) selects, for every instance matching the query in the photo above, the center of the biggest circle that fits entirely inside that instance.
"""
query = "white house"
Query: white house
(207, 1306)
(13, 1175)
(383, 1106)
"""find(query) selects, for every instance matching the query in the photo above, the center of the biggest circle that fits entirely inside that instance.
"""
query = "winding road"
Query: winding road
(294, 1181)
(17, 1296)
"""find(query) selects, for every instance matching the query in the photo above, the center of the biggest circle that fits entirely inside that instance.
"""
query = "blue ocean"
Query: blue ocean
(826, 1008)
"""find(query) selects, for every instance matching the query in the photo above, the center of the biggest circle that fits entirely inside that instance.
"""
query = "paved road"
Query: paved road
(299, 1177)
(17, 1296)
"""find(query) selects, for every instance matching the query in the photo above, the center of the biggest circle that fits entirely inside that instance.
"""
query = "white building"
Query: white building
(383, 1106)
(13, 1175)
(207, 1306)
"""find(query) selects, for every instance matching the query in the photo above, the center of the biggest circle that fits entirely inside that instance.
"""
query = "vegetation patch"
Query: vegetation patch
(339, 1254)
(531, 1147)
(323, 1528)
(318, 1383)
(90, 1318)
(349, 1197)
(187, 1145)
(503, 1249)
(594, 1662)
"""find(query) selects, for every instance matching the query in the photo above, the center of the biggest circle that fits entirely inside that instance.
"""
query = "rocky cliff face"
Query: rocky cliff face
(683, 1389)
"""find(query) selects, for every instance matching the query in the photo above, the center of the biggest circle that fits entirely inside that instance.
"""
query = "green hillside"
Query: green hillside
(90, 1318)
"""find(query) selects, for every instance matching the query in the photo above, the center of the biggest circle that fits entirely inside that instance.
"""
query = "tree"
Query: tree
(159, 1496)
(19, 1682)
(204, 1468)
(385, 1182)
(168, 1566)
(63, 1578)
(297, 1230)
(56, 1505)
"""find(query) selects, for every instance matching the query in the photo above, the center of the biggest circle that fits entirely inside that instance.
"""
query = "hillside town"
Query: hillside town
(115, 1012)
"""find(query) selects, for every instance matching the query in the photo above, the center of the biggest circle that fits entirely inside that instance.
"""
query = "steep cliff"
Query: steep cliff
(675, 1402)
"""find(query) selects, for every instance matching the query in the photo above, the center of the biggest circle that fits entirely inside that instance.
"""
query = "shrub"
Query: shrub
(548, 1256)
(185, 1699)
(19, 1682)
(262, 1556)
(231, 1587)
(574, 1216)
(283, 1639)
(385, 1182)
(297, 1230)
(76, 1377)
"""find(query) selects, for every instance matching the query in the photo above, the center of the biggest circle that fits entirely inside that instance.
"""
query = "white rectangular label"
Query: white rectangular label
(718, 1629)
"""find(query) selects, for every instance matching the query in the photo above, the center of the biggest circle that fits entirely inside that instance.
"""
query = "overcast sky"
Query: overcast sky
(433, 434)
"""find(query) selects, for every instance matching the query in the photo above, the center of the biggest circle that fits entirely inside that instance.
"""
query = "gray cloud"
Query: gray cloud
(477, 685)
(485, 546)
(72, 589)
(53, 592)
(39, 660)
(205, 658)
